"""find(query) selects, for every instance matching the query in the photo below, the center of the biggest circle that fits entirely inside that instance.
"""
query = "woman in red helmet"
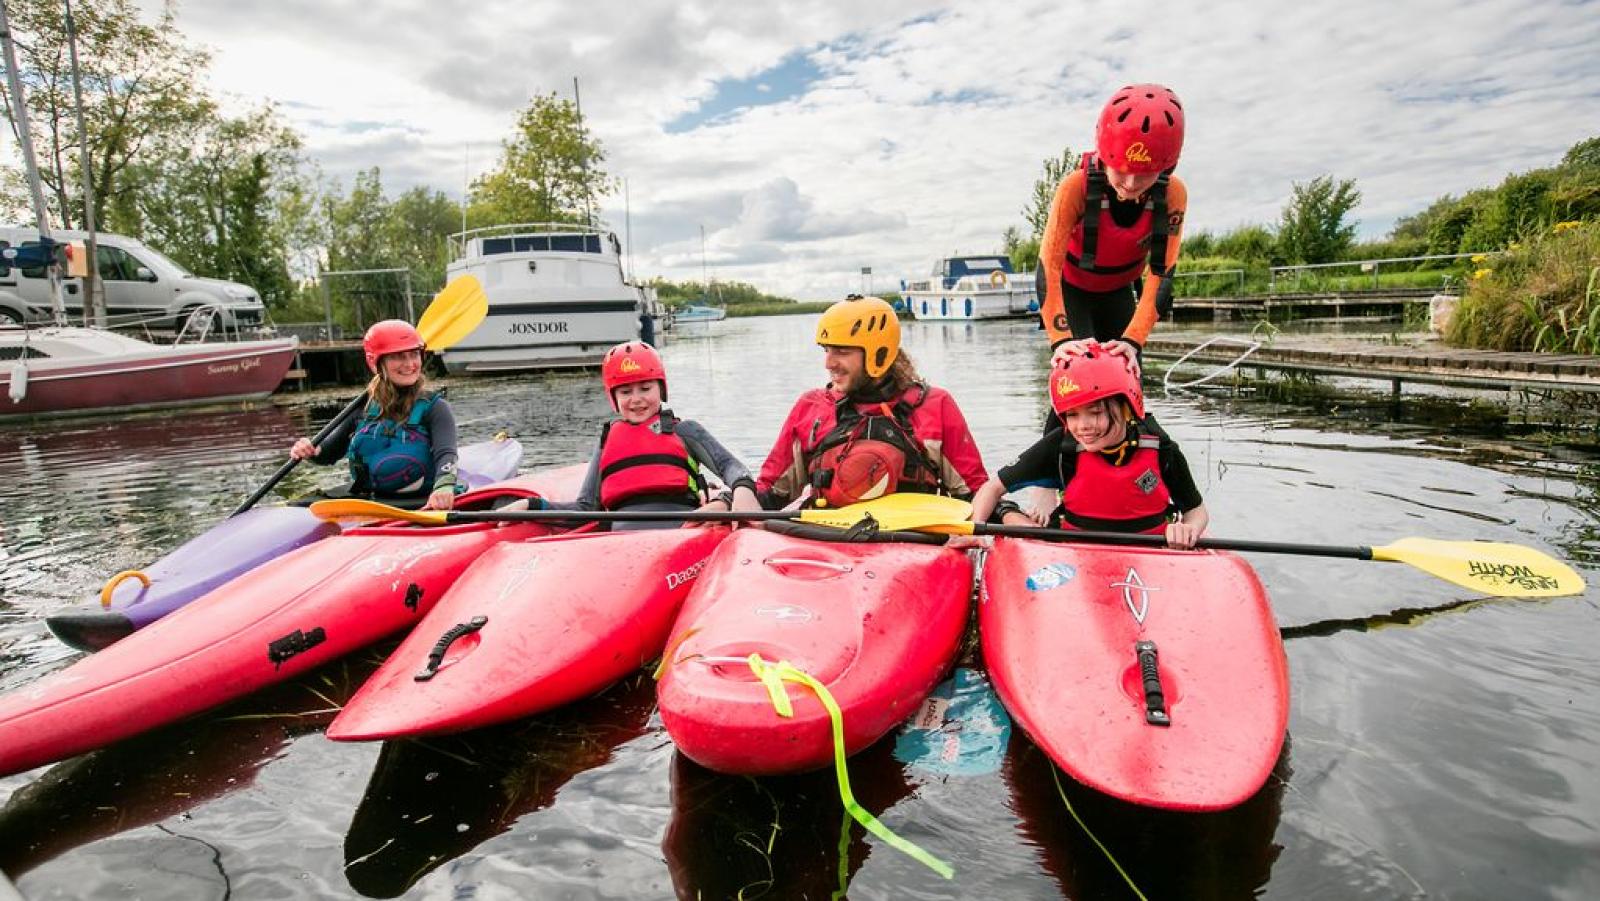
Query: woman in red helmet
(403, 446)
(648, 459)
(1114, 466)
(1114, 220)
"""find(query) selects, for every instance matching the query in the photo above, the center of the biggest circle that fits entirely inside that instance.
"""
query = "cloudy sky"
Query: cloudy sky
(813, 138)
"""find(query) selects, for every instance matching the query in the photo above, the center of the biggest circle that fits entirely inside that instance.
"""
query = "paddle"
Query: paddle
(891, 513)
(1494, 568)
(452, 315)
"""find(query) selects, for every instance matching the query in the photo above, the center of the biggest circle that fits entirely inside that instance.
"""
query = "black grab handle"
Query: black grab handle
(1155, 702)
(436, 656)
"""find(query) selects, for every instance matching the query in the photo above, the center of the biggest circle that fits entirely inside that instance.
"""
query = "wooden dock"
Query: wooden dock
(1427, 362)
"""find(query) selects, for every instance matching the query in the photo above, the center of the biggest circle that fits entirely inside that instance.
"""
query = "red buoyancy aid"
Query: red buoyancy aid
(1104, 256)
(864, 454)
(1128, 498)
(646, 462)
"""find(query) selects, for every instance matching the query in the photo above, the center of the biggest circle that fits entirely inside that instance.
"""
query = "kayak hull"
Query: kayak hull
(561, 619)
(270, 624)
(235, 546)
(1060, 626)
(876, 624)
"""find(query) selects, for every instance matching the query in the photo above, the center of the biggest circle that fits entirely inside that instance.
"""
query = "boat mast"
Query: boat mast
(583, 156)
(705, 286)
(19, 117)
(94, 295)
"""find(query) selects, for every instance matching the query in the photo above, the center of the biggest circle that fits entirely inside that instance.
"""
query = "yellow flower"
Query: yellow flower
(1514, 245)
(1481, 273)
(1563, 226)
(1479, 257)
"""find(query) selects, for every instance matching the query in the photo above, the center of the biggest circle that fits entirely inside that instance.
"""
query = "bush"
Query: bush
(1542, 294)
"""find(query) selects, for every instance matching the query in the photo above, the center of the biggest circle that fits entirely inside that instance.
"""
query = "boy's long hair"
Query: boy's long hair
(394, 402)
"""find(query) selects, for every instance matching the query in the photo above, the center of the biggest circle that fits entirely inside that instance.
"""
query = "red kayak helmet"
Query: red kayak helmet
(629, 362)
(391, 336)
(1082, 379)
(1140, 129)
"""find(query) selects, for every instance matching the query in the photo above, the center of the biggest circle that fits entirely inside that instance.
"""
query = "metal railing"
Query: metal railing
(1373, 266)
(1198, 274)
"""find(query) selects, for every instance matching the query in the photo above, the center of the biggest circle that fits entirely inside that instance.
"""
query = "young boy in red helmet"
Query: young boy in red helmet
(403, 446)
(648, 459)
(1116, 469)
(1114, 220)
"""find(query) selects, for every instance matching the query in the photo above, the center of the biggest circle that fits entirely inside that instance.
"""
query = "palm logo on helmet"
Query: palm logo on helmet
(630, 362)
(1081, 379)
(391, 336)
(865, 322)
(1141, 129)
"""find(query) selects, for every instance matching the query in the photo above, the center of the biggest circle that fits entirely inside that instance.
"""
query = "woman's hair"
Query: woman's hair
(394, 402)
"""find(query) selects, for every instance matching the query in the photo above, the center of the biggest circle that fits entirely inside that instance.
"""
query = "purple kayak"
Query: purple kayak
(134, 599)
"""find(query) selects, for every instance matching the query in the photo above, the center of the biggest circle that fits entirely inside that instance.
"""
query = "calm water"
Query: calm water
(1440, 745)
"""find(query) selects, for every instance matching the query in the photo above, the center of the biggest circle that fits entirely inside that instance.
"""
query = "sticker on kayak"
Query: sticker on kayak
(960, 729)
(1052, 575)
(786, 613)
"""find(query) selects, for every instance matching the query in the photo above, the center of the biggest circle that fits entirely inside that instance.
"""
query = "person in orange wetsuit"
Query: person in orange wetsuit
(1117, 218)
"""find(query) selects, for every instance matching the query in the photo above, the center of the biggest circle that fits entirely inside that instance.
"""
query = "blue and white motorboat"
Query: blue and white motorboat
(967, 288)
(698, 313)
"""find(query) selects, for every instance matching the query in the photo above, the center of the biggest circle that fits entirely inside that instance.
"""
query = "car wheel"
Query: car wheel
(7, 317)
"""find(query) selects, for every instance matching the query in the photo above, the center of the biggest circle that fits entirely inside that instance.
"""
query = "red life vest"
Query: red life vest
(1105, 497)
(646, 462)
(1104, 256)
(864, 454)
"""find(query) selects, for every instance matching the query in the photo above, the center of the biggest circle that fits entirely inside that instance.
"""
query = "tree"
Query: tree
(420, 222)
(549, 170)
(1037, 213)
(1313, 229)
(1248, 243)
(1024, 254)
(140, 93)
(1583, 153)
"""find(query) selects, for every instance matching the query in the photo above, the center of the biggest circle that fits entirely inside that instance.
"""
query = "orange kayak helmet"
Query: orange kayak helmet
(629, 362)
(1082, 379)
(865, 322)
(1140, 129)
(391, 336)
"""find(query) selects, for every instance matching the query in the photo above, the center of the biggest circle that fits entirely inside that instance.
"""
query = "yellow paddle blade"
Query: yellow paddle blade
(895, 512)
(355, 508)
(454, 313)
(1494, 568)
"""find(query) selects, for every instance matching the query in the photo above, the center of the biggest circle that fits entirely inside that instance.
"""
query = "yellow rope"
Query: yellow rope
(773, 676)
(1097, 843)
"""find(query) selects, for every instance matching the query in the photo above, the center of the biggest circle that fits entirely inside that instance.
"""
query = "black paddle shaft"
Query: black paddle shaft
(1140, 539)
(349, 411)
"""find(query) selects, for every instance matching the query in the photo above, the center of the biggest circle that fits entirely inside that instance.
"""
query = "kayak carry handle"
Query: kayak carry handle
(118, 579)
(1155, 701)
(436, 656)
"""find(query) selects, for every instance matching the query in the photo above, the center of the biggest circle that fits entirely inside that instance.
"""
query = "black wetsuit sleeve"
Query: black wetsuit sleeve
(338, 444)
(1175, 472)
(709, 453)
(441, 424)
(1039, 465)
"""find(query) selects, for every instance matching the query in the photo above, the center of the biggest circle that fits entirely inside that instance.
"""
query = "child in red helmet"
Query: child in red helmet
(402, 448)
(1114, 466)
(648, 459)
(1115, 219)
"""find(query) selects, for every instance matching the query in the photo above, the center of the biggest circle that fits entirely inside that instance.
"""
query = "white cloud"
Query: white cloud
(928, 126)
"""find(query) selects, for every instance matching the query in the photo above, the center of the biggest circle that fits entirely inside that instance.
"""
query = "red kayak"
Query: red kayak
(279, 620)
(876, 624)
(1154, 676)
(532, 626)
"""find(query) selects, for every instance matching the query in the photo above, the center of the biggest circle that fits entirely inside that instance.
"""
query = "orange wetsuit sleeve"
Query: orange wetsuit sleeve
(1066, 211)
(1144, 314)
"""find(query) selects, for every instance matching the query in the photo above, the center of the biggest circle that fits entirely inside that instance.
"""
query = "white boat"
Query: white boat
(63, 370)
(698, 313)
(967, 288)
(557, 297)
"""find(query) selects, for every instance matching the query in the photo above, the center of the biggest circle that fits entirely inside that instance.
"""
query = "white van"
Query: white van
(141, 284)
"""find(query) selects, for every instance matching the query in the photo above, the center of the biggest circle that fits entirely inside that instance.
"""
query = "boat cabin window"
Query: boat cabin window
(24, 352)
(542, 244)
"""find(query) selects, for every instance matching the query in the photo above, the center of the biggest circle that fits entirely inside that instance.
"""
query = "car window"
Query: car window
(116, 264)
